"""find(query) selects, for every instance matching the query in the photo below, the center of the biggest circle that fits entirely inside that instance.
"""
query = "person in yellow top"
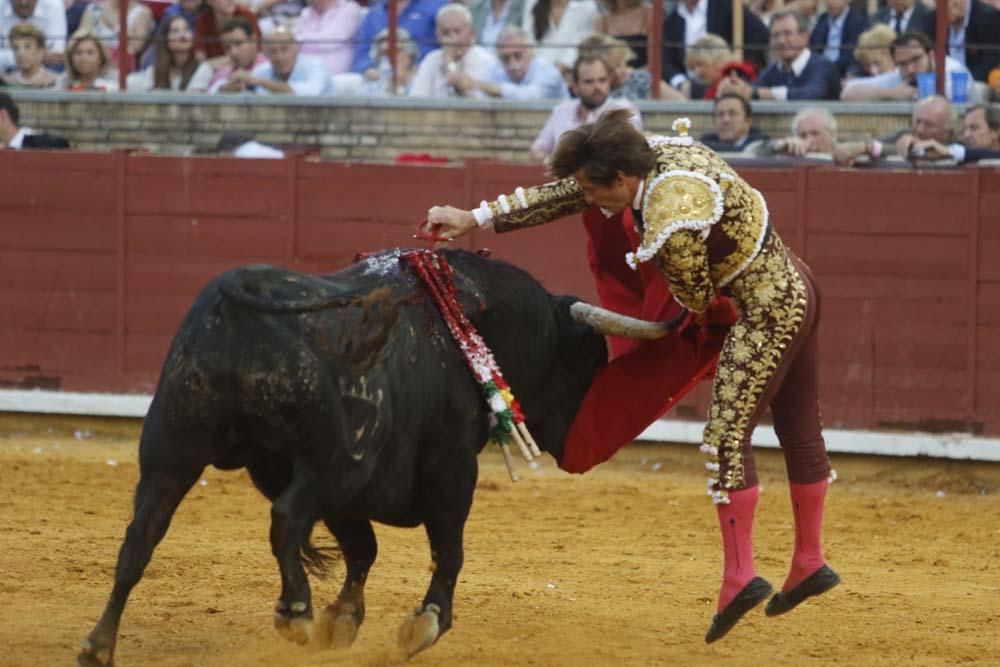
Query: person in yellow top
(708, 232)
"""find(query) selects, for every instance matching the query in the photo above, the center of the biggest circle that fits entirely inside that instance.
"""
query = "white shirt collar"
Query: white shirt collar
(800, 61)
(18, 139)
(700, 9)
(637, 202)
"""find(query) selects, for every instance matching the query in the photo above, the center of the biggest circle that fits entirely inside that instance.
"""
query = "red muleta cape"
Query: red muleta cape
(644, 379)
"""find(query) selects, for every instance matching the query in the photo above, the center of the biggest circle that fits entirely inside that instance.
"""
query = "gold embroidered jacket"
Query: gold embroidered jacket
(700, 221)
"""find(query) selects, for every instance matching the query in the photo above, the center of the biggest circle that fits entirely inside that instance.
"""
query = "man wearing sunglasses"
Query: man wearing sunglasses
(913, 54)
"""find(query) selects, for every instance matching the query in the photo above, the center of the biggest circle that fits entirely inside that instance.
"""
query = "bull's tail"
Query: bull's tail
(271, 289)
(319, 561)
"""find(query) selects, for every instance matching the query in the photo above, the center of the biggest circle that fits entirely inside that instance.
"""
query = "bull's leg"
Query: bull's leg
(447, 507)
(292, 517)
(339, 622)
(156, 498)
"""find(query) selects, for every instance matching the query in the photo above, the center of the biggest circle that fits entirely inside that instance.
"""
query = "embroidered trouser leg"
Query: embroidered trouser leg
(767, 359)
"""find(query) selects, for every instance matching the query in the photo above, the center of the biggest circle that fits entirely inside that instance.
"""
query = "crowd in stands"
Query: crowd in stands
(584, 55)
(858, 50)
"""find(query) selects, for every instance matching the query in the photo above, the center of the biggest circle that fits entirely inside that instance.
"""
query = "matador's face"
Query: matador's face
(613, 198)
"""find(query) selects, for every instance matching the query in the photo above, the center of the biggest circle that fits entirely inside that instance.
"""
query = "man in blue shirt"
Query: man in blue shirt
(287, 72)
(796, 73)
(519, 75)
(416, 16)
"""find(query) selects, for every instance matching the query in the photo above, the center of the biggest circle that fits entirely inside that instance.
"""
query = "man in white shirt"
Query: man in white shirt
(287, 72)
(519, 75)
(592, 86)
(49, 16)
(450, 70)
(912, 54)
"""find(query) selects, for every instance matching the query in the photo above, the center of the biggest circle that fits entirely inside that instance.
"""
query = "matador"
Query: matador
(707, 230)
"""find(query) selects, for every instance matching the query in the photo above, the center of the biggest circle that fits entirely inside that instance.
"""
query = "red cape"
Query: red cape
(644, 379)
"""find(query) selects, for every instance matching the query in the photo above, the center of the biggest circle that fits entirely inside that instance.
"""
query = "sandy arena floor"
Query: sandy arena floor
(618, 567)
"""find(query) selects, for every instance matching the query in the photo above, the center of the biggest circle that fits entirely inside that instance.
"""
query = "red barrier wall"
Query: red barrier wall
(101, 254)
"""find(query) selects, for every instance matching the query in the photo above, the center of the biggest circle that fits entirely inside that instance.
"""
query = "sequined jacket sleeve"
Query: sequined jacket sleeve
(684, 263)
(528, 207)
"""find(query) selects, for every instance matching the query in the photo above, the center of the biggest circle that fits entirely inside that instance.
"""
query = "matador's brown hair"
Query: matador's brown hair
(602, 149)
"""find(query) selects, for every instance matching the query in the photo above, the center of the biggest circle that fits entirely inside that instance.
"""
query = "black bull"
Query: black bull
(348, 402)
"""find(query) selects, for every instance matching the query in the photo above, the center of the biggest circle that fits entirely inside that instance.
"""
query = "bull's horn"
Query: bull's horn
(610, 323)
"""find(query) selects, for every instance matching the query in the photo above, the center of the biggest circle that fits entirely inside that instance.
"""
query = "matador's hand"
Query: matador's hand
(450, 222)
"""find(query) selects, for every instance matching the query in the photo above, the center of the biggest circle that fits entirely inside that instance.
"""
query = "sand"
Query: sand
(617, 567)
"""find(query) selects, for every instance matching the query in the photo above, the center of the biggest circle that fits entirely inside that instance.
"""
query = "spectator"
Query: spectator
(87, 65)
(49, 16)
(242, 55)
(325, 31)
(557, 26)
(186, 8)
(287, 72)
(452, 70)
(631, 22)
(378, 80)
(980, 139)
(902, 16)
(704, 61)
(213, 14)
(732, 117)
(872, 56)
(912, 54)
(591, 85)
(814, 130)
(16, 138)
(74, 12)
(692, 19)
(519, 75)
(28, 44)
(101, 19)
(626, 82)
(931, 120)
(797, 73)
(175, 66)
(973, 35)
(490, 17)
(836, 34)
(415, 16)
(272, 13)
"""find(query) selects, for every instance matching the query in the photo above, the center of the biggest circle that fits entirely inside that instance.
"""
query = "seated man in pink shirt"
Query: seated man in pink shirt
(325, 32)
(240, 45)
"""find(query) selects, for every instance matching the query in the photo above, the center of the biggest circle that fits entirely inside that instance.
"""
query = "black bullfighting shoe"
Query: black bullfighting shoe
(817, 583)
(752, 595)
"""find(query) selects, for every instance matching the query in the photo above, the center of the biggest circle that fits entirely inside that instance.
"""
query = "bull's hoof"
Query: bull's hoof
(419, 630)
(337, 626)
(95, 656)
(295, 623)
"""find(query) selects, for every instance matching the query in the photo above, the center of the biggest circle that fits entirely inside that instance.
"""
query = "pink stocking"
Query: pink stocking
(807, 504)
(736, 523)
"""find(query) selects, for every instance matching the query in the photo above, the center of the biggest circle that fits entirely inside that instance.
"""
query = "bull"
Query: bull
(348, 402)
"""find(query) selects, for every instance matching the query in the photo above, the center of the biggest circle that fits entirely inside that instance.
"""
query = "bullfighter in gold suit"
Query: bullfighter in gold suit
(708, 232)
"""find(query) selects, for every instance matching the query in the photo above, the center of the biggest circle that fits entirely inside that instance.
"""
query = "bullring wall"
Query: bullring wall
(102, 253)
(371, 129)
